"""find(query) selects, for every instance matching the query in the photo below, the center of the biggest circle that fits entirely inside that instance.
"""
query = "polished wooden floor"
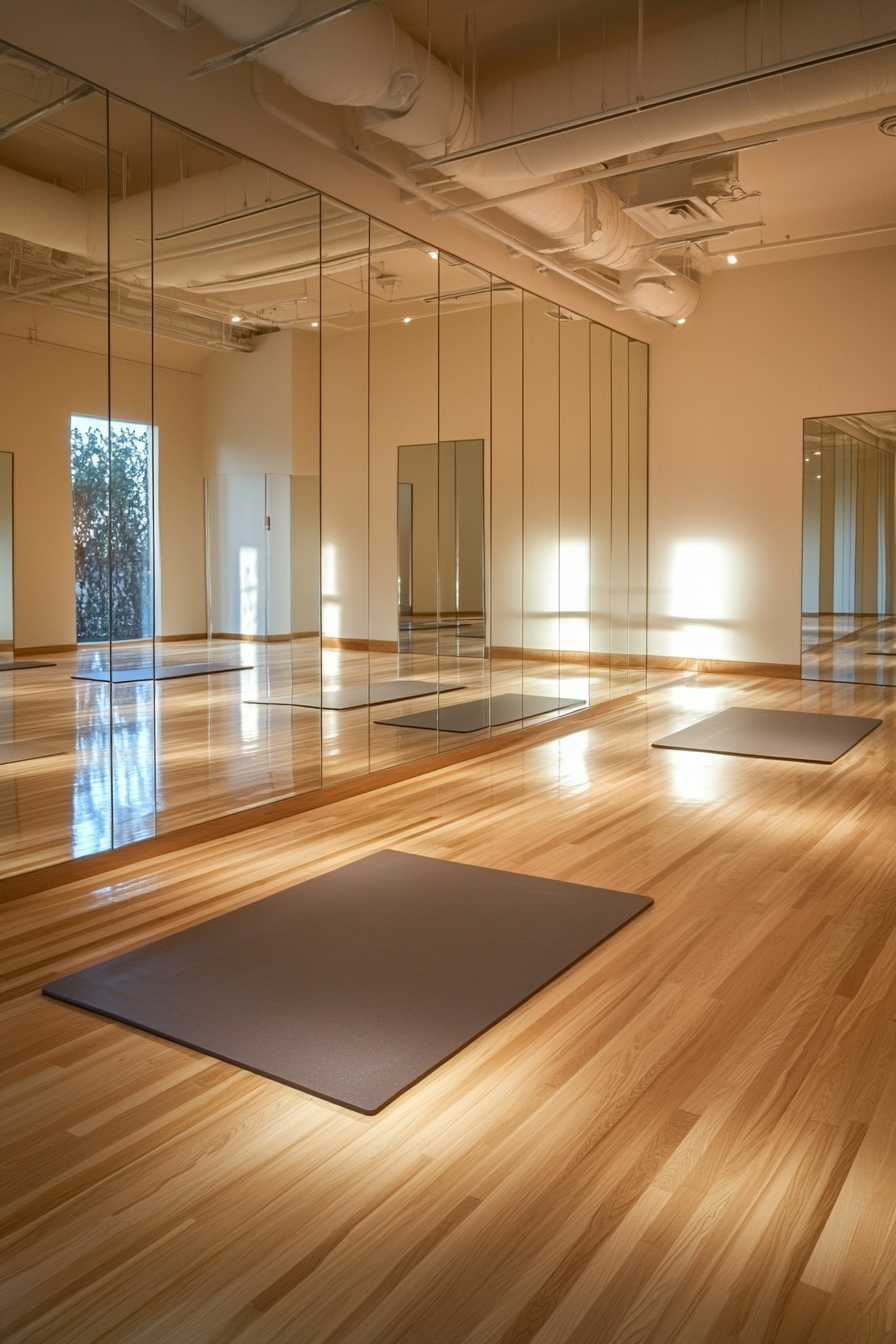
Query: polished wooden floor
(148, 758)
(690, 1136)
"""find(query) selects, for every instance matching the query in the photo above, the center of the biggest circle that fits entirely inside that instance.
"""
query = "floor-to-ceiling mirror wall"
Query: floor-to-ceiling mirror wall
(849, 548)
(297, 497)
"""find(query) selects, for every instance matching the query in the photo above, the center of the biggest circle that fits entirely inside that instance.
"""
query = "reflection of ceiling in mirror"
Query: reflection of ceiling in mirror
(236, 251)
(875, 427)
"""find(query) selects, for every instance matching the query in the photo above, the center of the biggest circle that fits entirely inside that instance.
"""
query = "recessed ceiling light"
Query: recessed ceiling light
(732, 259)
(315, 324)
(681, 321)
(236, 319)
(434, 255)
(405, 319)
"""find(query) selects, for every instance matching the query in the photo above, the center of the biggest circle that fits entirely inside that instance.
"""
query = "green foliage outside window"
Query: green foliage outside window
(111, 519)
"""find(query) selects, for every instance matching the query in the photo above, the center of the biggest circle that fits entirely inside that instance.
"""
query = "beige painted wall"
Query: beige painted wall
(768, 346)
(45, 381)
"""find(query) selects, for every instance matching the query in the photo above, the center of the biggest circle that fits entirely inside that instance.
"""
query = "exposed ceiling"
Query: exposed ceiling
(793, 195)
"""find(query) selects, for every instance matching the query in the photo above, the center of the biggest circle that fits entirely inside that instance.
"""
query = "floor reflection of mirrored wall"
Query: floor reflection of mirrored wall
(849, 548)
(291, 496)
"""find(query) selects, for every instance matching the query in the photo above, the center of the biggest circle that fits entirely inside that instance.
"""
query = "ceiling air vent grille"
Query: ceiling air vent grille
(676, 216)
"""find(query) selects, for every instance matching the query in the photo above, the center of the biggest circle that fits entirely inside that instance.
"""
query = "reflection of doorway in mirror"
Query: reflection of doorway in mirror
(6, 589)
(849, 548)
(441, 548)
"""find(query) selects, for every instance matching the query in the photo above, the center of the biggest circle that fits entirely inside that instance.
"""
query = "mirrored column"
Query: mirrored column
(404, 324)
(132, 445)
(541, 505)
(344, 354)
(464, 436)
(505, 605)
(574, 558)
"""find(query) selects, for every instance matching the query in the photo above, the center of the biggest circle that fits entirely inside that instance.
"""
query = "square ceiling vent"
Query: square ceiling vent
(679, 215)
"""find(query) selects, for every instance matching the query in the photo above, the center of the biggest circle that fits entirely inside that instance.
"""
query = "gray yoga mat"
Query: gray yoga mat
(161, 673)
(475, 714)
(778, 733)
(10, 752)
(20, 665)
(355, 984)
(356, 697)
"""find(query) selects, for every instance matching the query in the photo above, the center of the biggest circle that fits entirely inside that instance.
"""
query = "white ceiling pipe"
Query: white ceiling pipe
(671, 297)
(828, 86)
(364, 59)
(360, 59)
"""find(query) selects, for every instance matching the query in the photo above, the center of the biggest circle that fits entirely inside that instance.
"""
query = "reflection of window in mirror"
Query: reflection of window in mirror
(849, 548)
(111, 466)
(6, 589)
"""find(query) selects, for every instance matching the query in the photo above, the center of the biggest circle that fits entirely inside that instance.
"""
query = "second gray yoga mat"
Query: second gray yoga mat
(160, 672)
(21, 665)
(355, 984)
(471, 715)
(776, 733)
(356, 697)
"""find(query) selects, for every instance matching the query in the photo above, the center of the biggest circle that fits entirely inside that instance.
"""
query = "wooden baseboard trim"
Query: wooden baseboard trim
(359, 645)
(725, 667)
(35, 649)
(578, 656)
(143, 851)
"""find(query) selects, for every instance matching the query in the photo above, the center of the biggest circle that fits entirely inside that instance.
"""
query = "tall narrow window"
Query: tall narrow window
(112, 524)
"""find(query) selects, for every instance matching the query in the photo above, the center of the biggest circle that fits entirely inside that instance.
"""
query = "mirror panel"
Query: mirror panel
(55, 790)
(574, 556)
(601, 512)
(637, 514)
(131, 444)
(849, 548)
(505, 568)
(541, 499)
(236, 275)
(7, 637)
(403, 486)
(464, 450)
(345, 269)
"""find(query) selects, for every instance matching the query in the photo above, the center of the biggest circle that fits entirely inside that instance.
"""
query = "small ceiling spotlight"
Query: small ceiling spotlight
(405, 319)
(732, 259)
(681, 321)
(434, 255)
(888, 126)
(315, 324)
(236, 319)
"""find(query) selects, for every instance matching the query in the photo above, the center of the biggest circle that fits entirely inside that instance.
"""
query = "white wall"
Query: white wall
(769, 346)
